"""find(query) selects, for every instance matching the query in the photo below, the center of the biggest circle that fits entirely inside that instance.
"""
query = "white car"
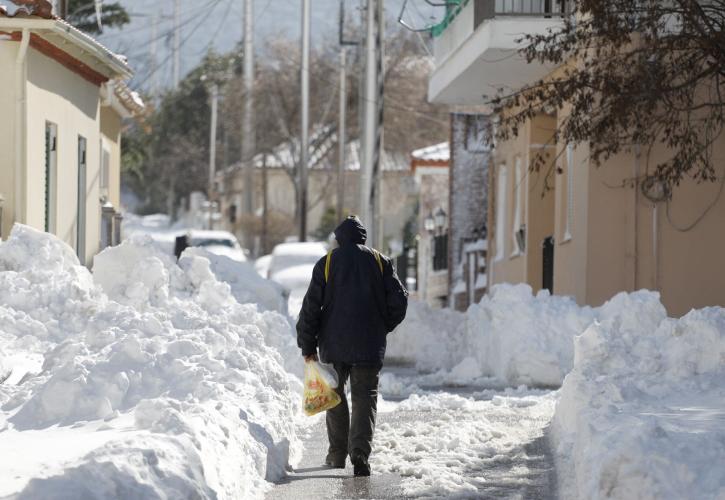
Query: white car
(217, 242)
(291, 266)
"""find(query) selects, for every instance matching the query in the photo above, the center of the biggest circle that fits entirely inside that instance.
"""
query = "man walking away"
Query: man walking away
(354, 300)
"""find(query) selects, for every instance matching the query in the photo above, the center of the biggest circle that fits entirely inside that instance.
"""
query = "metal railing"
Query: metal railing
(488, 9)
(533, 7)
(452, 12)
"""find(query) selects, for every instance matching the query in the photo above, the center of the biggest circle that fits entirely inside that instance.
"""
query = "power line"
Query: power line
(182, 43)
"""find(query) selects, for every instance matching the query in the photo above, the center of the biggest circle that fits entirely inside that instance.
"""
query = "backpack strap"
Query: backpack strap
(377, 258)
(327, 265)
(328, 259)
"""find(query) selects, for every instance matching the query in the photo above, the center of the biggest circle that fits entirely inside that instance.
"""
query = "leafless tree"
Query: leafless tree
(634, 73)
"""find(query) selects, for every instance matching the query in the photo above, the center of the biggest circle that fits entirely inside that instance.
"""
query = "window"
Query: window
(82, 195)
(440, 252)
(569, 192)
(105, 179)
(518, 207)
(501, 204)
(475, 140)
(51, 175)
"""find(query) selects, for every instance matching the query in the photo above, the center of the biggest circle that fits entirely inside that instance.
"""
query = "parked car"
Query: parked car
(291, 266)
(217, 242)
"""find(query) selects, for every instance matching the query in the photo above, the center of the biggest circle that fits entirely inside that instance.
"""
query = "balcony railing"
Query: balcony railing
(532, 7)
(488, 9)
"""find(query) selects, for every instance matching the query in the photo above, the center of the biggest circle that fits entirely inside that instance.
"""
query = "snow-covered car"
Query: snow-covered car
(291, 266)
(261, 265)
(217, 242)
(287, 255)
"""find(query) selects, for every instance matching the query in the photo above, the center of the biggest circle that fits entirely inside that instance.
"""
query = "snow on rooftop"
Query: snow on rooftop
(36, 10)
(437, 152)
(285, 156)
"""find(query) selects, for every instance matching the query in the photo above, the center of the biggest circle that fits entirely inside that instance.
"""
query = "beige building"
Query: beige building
(573, 228)
(431, 168)
(62, 104)
(398, 193)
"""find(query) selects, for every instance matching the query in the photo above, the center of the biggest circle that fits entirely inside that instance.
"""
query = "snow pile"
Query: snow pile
(524, 339)
(512, 335)
(433, 339)
(642, 414)
(445, 446)
(145, 379)
(247, 286)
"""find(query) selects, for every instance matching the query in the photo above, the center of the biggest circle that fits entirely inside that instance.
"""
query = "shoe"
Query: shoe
(361, 467)
(335, 464)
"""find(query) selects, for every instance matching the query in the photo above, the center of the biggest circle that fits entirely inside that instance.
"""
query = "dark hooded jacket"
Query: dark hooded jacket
(349, 316)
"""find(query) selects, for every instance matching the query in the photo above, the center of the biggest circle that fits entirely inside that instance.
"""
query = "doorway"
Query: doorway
(547, 279)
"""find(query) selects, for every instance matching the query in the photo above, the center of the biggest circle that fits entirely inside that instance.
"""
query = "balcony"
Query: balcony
(476, 48)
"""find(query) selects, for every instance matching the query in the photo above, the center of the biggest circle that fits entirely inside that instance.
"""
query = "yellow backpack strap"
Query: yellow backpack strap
(327, 265)
(380, 262)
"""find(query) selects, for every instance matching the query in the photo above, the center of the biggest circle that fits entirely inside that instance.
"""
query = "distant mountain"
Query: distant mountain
(218, 24)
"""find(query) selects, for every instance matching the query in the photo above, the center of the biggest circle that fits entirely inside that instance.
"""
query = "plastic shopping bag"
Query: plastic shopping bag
(320, 384)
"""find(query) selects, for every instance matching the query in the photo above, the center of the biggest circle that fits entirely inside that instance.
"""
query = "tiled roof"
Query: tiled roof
(38, 10)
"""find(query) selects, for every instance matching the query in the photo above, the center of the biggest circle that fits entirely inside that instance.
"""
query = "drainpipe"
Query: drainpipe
(107, 94)
(20, 125)
(655, 246)
(635, 244)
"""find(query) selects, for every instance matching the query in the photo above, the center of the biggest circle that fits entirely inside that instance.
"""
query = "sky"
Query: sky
(218, 24)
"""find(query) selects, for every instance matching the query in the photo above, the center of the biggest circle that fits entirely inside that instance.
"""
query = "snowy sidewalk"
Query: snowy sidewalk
(469, 442)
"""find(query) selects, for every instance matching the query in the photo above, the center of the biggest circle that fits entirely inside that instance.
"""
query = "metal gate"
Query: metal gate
(547, 281)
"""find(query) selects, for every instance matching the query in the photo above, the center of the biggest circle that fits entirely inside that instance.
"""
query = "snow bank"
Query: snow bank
(247, 286)
(522, 338)
(642, 414)
(512, 335)
(433, 339)
(145, 379)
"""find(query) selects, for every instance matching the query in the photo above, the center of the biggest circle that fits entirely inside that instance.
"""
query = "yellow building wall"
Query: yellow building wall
(537, 207)
(111, 126)
(570, 252)
(635, 244)
(8, 51)
(57, 95)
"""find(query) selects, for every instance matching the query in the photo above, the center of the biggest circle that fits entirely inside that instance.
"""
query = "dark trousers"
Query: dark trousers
(353, 436)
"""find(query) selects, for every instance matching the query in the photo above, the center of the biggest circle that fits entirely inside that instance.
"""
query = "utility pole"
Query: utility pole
(265, 215)
(177, 43)
(342, 140)
(154, 56)
(212, 146)
(305, 119)
(343, 111)
(248, 139)
(372, 116)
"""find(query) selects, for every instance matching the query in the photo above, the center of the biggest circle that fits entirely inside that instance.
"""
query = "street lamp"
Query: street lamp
(440, 219)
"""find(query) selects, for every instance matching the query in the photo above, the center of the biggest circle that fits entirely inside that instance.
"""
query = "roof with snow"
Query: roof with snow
(437, 155)
(86, 53)
(323, 155)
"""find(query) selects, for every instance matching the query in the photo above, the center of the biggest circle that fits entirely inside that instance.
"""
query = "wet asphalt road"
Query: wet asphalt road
(504, 479)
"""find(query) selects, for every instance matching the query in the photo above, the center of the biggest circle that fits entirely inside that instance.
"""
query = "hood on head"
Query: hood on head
(351, 231)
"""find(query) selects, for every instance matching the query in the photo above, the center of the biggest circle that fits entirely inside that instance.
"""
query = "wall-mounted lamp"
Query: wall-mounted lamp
(441, 217)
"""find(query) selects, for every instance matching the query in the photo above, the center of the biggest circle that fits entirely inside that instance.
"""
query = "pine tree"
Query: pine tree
(82, 15)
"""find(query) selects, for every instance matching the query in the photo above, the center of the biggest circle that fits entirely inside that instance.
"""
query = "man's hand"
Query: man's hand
(311, 357)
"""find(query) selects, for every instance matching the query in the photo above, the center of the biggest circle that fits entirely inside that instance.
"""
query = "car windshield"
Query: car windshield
(213, 242)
